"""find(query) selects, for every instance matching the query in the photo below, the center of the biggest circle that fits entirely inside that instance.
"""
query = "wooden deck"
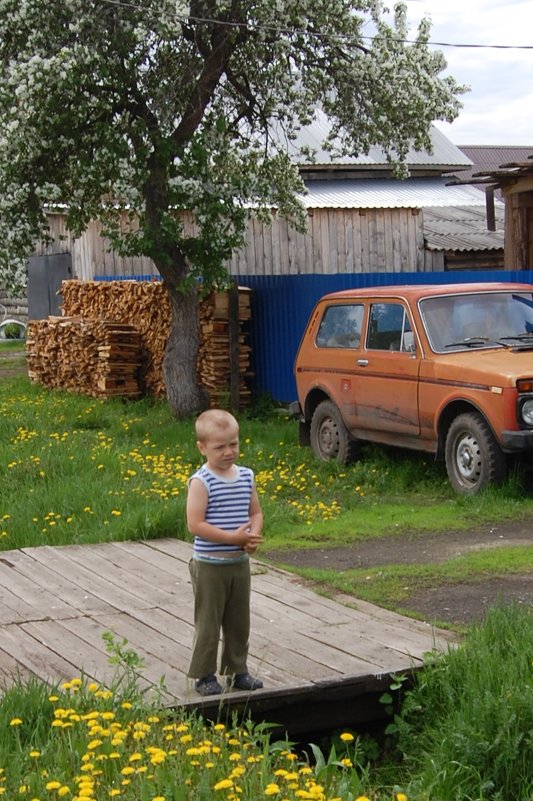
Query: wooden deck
(56, 602)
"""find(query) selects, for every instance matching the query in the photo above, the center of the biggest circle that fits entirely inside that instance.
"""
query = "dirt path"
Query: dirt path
(456, 603)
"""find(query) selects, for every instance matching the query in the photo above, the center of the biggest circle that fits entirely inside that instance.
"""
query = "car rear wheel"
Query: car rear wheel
(330, 439)
(473, 457)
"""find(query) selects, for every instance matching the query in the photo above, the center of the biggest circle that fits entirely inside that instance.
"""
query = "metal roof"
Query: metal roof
(489, 158)
(462, 228)
(389, 193)
(445, 154)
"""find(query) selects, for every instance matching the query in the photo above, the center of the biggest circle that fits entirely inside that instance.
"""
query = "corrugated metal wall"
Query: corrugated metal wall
(281, 305)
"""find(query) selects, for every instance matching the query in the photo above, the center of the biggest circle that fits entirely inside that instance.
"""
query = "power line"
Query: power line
(317, 34)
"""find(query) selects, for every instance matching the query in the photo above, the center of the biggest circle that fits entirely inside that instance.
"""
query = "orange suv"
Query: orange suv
(446, 369)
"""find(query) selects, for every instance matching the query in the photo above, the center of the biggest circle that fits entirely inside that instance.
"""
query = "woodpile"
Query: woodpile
(100, 358)
(223, 355)
(143, 304)
(144, 307)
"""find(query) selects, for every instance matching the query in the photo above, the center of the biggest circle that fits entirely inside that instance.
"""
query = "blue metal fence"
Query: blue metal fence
(281, 305)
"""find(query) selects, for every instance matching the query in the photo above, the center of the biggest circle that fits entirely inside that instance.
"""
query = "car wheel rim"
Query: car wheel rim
(468, 459)
(329, 438)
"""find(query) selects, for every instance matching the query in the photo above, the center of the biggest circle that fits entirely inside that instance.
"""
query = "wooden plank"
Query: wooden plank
(62, 637)
(318, 651)
(154, 669)
(11, 670)
(78, 597)
(155, 568)
(178, 549)
(114, 594)
(167, 565)
(27, 598)
(112, 570)
(36, 657)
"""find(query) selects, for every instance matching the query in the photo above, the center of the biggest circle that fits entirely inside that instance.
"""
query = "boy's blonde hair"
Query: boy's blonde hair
(214, 420)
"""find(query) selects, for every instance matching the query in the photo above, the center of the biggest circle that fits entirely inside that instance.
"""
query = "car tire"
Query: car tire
(330, 439)
(473, 457)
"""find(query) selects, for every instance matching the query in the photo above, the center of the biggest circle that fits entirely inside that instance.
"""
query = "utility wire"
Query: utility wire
(316, 34)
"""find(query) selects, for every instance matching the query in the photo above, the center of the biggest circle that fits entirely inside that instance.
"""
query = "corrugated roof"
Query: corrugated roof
(489, 158)
(462, 228)
(389, 193)
(445, 154)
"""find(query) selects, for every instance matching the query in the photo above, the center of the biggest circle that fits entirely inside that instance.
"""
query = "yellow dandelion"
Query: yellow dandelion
(224, 784)
(401, 797)
(15, 722)
(346, 737)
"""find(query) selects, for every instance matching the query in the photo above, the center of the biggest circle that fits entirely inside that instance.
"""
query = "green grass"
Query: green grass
(466, 729)
(10, 345)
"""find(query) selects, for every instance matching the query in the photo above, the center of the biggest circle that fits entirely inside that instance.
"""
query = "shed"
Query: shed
(515, 181)
(361, 219)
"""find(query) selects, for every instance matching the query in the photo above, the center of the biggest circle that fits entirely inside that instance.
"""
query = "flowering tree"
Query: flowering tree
(153, 108)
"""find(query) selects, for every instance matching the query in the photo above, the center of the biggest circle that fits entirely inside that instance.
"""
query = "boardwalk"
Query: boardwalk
(56, 602)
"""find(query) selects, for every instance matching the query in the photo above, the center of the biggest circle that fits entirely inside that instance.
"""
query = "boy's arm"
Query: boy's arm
(256, 514)
(256, 523)
(196, 523)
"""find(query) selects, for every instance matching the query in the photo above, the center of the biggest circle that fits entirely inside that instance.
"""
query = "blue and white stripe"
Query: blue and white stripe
(228, 505)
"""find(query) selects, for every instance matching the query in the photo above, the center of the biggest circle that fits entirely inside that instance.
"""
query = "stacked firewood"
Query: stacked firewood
(145, 306)
(100, 358)
(142, 304)
(217, 360)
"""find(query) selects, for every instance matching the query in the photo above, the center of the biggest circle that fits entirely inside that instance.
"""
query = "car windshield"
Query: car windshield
(477, 320)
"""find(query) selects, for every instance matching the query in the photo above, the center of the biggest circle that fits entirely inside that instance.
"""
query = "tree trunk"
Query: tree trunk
(180, 364)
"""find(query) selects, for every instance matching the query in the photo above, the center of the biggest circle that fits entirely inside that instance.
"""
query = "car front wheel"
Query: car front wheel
(330, 439)
(473, 457)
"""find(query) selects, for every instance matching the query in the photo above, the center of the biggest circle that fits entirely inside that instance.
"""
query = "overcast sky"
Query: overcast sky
(499, 108)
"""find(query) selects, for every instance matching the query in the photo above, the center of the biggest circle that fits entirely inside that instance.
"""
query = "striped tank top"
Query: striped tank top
(228, 505)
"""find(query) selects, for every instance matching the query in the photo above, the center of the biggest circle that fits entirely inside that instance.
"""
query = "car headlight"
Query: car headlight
(526, 412)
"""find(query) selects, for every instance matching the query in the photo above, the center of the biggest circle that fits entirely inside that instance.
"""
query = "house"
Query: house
(361, 219)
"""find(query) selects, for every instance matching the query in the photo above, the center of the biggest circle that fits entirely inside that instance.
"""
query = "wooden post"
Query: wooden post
(491, 214)
(234, 331)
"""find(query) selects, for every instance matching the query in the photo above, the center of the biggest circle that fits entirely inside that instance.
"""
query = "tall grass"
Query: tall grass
(466, 730)
(75, 469)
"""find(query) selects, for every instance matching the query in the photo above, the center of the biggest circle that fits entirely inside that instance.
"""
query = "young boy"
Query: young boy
(224, 515)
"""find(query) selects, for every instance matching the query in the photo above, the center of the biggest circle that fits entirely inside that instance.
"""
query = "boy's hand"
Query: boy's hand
(243, 536)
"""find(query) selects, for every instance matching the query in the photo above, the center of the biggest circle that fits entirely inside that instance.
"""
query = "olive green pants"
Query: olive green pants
(221, 604)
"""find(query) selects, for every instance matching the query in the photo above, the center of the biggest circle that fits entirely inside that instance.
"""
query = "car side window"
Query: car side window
(389, 328)
(340, 326)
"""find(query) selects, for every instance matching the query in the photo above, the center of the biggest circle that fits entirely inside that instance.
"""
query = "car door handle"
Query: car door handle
(362, 362)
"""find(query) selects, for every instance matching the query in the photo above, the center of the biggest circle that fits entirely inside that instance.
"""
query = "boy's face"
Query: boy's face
(221, 448)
